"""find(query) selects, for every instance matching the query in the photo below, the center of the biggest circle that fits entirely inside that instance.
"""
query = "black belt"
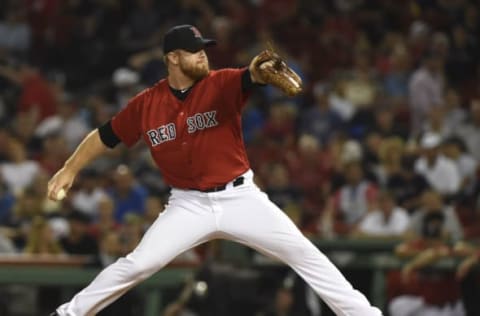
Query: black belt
(238, 181)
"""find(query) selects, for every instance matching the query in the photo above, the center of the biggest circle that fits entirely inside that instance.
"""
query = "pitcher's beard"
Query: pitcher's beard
(195, 72)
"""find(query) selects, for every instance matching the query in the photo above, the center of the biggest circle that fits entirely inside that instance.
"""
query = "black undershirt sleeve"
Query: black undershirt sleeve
(107, 135)
(247, 83)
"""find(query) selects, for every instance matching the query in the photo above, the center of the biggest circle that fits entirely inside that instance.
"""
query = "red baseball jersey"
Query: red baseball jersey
(196, 143)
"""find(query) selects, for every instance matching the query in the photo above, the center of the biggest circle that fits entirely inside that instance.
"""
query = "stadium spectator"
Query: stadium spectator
(467, 274)
(436, 123)
(469, 132)
(78, 241)
(423, 292)
(387, 220)
(15, 32)
(7, 202)
(339, 102)
(40, 239)
(436, 219)
(19, 172)
(37, 100)
(426, 89)
(455, 149)
(440, 171)
(390, 154)
(53, 152)
(455, 113)
(407, 185)
(90, 193)
(104, 221)
(128, 196)
(320, 120)
(66, 121)
(283, 193)
(352, 201)
(109, 248)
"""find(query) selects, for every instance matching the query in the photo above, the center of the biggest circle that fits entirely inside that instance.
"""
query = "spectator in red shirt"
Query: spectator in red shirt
(37, 99)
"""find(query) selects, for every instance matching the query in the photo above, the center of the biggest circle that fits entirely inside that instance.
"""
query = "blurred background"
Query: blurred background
(377, 162)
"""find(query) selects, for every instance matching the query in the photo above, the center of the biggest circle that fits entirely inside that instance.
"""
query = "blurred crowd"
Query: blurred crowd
(384, 143)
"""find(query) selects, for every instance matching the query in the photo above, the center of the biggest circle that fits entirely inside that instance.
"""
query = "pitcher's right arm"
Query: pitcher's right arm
(91, 147)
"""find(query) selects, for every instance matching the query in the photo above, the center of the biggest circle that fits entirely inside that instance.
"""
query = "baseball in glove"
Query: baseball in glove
(272, 69)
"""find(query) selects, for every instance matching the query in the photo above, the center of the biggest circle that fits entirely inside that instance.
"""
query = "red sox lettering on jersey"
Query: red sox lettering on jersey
(197, 142)
(201, 120)
(162, 134)
(167, 132)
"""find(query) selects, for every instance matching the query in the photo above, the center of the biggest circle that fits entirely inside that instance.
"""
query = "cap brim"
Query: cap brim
(201, 44)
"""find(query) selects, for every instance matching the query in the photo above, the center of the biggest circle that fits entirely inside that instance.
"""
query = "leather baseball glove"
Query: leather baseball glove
(272, 69)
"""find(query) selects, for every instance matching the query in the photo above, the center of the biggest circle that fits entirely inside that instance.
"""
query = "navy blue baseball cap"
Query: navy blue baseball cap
(186, 37)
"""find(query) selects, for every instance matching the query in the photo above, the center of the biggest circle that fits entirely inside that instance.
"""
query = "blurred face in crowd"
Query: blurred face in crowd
(430, 153)
(384, 119)
(373, 141)
(431, 201)
(400, 59)
(354, 173)
(385, 203)
(16, 151)
(321, 98)
(451, 150)
(436, 118)
(193, 65)
(308, 147)
(105, 208)
(123, 178)
(391, 151)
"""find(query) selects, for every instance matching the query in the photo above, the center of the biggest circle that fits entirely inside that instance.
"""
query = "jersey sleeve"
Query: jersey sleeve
(126, 124)
(232, 86)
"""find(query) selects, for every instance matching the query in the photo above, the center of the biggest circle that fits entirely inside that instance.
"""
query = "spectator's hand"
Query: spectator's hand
(465, 266)
(408, 271)
(174, 309)
(463, 248)
(63, 179)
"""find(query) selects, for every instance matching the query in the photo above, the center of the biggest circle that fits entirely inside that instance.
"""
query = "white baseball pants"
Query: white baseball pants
(243, 214)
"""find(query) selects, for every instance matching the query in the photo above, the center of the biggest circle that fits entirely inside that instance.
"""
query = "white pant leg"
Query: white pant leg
(183, 225)
(249, 217)
(406, 305)
(458, 309)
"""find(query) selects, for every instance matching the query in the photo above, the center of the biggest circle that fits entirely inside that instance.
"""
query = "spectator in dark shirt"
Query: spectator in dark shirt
(407, 186)
(78, 241)
(320, 120)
